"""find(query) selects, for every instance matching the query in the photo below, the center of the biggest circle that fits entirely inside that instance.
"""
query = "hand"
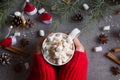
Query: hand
(78, 45)
(39, 45)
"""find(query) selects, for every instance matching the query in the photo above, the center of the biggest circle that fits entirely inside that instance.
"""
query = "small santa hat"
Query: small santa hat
(29, 9)
(8, 41)
(45, 17)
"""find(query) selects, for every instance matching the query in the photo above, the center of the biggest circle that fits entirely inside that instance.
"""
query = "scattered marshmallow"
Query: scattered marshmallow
(41, 32)
(42, 10)
(17, 13)
(27, 66)
(85, 6)
(98, 49)
(105, 28)
(17, 34)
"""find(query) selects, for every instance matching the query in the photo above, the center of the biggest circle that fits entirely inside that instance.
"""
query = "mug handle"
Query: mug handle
(74, 33)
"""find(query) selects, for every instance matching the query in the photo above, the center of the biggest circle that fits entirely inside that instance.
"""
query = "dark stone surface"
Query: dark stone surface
(99, 65)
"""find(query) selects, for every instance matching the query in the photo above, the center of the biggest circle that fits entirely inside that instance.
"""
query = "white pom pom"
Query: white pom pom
(27, 1)
(14, 40)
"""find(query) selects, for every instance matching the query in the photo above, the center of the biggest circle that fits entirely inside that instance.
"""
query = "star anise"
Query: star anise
(103, 38)
(24, 42)
(115, 70)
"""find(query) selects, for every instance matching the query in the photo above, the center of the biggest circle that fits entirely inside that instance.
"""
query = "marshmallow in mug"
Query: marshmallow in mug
(70, 52)
(51, 60)
(58, 37)
(48, 57)
(47, 47)
(59, 48)
(63, 54)
(46, 53)
(69, 40)
(64, 59)
(59, 61)
(50, 38)
(57, 55)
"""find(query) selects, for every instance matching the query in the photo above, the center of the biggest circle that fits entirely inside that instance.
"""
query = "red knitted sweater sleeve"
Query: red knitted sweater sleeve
(41, 70)
(76, 69)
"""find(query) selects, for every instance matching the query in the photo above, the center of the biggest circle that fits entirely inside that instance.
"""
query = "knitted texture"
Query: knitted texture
(76, 69)
(41, 70)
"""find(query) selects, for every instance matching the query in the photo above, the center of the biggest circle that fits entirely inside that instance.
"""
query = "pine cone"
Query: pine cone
(5, 59)
(103, 38)
(16, 21)
(77, 17)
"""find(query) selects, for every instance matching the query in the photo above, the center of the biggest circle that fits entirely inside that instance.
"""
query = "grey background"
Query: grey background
(99, 65)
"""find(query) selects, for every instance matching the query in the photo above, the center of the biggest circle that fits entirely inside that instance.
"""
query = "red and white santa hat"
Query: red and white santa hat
(29, 9)
(8, 41)
(45, 17)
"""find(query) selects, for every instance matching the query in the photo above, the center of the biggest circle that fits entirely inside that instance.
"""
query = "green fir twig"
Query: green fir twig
(4, 8)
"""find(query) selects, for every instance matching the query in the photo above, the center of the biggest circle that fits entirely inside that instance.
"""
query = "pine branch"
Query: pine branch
(98, 8)
(4, 8)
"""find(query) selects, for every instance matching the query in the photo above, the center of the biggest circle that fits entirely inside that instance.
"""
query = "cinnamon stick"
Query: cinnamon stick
(116, 49)
(16, 50)
(113, 58)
